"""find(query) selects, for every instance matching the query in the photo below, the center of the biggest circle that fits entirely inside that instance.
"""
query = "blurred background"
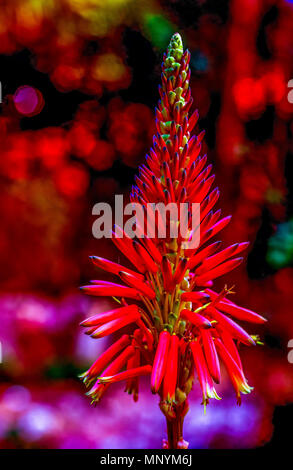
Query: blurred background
(79, 85)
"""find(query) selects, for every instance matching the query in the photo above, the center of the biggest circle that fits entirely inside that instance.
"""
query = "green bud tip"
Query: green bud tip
(176, 42)
(174, 54)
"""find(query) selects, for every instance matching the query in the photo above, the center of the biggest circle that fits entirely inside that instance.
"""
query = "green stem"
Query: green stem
(175, 428)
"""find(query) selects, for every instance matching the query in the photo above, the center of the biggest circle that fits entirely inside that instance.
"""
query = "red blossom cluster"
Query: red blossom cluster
(183, 326)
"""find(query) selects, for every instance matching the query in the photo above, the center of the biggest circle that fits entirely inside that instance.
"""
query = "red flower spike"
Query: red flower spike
(181, 322)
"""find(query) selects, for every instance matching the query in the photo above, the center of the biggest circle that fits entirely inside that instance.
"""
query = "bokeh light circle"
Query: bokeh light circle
(28, 100)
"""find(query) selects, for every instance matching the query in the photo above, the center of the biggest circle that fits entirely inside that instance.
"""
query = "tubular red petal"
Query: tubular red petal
(218, 270)
(99, 282)
(170, 189)
(200, 193)
(145, 257)
(158, 187)
(220, 257)
(193, 120)
(209, 202)
(231, 347)
(235, 330)
(90, 330)
(133, 281)
(147, 334)
(132, 383)
(115, 325)
(104, 359)
(203, 175)
(201, 255)
(194, 296)
(198, 166)
(166, 170)
(176, 166)
(109, 315)
(160, 361)
(180, 271)
(127, 374)
(170, 378)
(124, 244)
(195, 318)
(153, 250)
(98, 390)
(211, 355)
(210, 220)
(112, 267)
(113, 291)
(215, 229)
(155, 223)
(235, 373)
(201, 368)
(167, 274)
(240, 313)
(201, 136)
(184, 155)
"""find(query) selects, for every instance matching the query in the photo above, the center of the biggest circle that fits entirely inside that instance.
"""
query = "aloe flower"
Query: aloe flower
(181, 329)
